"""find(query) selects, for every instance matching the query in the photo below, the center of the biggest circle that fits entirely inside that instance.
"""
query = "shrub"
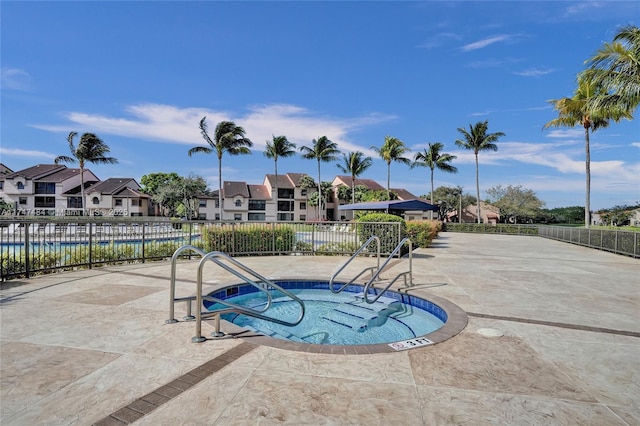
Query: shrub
(378, 224)
(337, 248)
(237, 239)
(422, 232)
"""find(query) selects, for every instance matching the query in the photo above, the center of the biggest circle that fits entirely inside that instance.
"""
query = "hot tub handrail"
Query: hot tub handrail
(357, 252)
(232, 307)
(172, 291)
(393, 253)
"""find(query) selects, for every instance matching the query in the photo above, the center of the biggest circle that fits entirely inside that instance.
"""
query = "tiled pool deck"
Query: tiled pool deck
(92, 347)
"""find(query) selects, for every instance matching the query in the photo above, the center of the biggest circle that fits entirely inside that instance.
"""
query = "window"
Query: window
(285, 206)
(217, 204)
(1, 184)
(303, 206)
(257, 205)
(20, 185)
(303, 217)
(285, 192)
(22, 201)
(238, 203)
(217, 216)
(74, 202)
(285, 216)
(41, 202)
(45, 188)
(95, 200)
(303, 192)
(136, 214)
(202, 203)
(136, 203)
(118, 201)
(237, 216)
(202, 216)
(256, 216)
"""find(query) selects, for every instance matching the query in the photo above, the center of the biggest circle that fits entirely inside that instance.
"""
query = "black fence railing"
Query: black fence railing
(32, 246)
(620, 242)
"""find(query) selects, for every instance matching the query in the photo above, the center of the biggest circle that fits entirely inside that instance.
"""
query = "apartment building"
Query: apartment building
(46, 190)
(117, 197)
(250, 202)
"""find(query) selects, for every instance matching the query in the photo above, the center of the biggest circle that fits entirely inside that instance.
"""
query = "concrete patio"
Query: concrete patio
(92, 347)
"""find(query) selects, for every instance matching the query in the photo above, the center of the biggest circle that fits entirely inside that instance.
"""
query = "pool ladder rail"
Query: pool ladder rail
(261, 283)
(376, 270)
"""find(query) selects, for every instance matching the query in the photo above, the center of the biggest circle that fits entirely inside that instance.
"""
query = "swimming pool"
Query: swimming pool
(337, 319)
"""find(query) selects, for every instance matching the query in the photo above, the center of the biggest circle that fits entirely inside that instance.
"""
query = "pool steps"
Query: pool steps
(360, 315)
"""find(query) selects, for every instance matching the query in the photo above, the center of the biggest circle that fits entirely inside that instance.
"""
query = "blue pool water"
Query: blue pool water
(334, 319)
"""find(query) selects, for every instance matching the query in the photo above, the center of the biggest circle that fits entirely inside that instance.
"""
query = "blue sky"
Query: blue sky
(142, 74)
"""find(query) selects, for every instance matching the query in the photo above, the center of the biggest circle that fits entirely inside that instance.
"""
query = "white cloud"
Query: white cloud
(438, 40)
(566, 133)
(167, 123)
(534, 72)
(486, 42)
(636, 144)
(15, 79)
(23, 153)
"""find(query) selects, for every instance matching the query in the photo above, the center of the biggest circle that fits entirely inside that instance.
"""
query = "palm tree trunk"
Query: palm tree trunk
(220, 210)
(84, 209)
(587, 204)
(477, 190)
(276, 167)
(319, 194)
(353, 189)
(431, 211)
(389, 181)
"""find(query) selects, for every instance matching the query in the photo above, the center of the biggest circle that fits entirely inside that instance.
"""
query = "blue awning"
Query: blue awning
(402, 205)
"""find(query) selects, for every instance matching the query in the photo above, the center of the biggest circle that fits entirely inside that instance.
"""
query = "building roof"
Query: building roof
(76, 189)
(112, 186)
(231, 189)
(4, 170)
(398, 205)
(283, 180)
(368, 183)
(403, 194)
(35, 172)
(296, 177)
(259, 192)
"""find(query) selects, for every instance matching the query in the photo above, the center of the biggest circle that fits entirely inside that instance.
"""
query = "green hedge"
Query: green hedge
(368, 226)
(238, 239)
(493, 229)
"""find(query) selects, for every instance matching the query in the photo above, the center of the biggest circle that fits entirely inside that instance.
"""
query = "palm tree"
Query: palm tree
(355, 164)
(90, 149)
(228, 137)
(433, 159)
(476, 140)
(577, 111)
(616, 66)
(278, 147)
(323, 150)
(393, 149)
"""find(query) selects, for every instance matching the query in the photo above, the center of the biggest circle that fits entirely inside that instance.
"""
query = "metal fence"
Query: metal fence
(619, 242)
(32, 246)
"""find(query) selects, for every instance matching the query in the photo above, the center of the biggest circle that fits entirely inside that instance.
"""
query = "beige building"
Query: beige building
(46, 190)
(117, 197)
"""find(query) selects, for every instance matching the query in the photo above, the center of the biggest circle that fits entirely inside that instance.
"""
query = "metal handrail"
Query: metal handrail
(172, 292)
(365, 245)
(232, 307)
(410, 272)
